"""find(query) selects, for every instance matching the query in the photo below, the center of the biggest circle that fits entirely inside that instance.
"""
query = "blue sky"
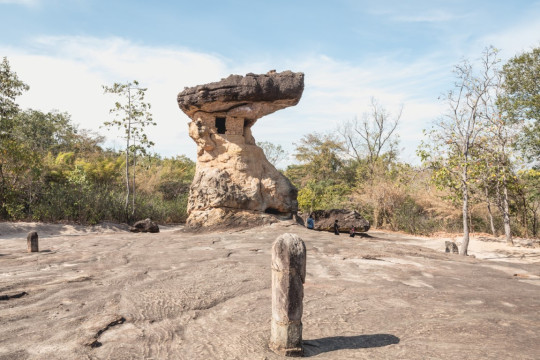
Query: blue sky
(400, 52)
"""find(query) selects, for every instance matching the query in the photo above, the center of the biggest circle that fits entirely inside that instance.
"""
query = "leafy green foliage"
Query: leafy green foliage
(131, 115)
(10, 88)
(320, 156)
(52, 171)
(520, 101)
(15, 158)
(322, 195)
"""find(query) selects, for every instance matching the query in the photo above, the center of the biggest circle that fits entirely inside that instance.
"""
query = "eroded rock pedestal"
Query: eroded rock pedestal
(234, 183)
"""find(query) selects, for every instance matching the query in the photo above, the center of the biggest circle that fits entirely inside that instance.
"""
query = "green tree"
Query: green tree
(10, 88)
(13, 154)
(372, 143)
(44, 132)
(132, 115)
(530, 193)
(316, 195)
(320, 155)
(520, 101)
(455, 137)
(321, 174)
(498, 152)
(372, 138)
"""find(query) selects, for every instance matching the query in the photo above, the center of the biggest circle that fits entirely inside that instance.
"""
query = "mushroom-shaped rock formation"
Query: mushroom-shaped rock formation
(234, 184)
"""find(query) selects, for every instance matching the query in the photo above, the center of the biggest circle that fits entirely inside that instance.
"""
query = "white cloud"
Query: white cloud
(416, 12)
(29, 3)
(432, 16)
(519, 38)
(336, 92)
(67, 73)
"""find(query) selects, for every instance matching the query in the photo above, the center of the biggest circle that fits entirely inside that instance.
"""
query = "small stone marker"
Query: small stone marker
(288, 276)
(32, 242)
(451, 247)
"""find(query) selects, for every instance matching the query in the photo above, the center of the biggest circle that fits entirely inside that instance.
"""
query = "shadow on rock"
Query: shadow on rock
(318, 346)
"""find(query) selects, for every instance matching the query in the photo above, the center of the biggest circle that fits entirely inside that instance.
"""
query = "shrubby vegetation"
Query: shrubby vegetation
(50, 170)
(480, 160)
(479, 172)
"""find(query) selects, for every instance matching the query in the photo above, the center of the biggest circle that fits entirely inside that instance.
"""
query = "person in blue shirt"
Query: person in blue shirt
(310, 222)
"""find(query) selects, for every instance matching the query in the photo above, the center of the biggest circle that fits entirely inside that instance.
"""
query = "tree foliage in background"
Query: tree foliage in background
(14, 157)
(319, 157)
(50, 170)
(132, 115)
(372, 138)
(372, 144)
(274, 152)
(520, 102)
(455, 138)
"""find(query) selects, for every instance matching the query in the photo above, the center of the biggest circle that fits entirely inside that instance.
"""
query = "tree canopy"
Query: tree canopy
(521, 99)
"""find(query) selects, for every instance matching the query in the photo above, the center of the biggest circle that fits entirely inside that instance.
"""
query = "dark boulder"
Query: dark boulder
(324, 220)
(451, 247)
(145, 225)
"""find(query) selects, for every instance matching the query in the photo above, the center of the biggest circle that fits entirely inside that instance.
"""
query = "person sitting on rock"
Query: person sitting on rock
(310, 222)
(352, 232)
(336, 227)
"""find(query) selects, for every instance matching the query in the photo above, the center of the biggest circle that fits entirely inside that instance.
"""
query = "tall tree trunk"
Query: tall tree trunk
(490, 214)
(375, 216)
(535, 223)
(471, 227)
(465, 192)
(127, 181)
(133, 195)
(128, 133)
(525, 217)
(506, 215)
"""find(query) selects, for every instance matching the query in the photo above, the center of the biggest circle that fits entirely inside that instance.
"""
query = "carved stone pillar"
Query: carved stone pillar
(288, 276)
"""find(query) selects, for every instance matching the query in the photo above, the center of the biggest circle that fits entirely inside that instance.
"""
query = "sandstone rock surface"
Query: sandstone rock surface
(324, 220)
(234, 183)
(208, 296)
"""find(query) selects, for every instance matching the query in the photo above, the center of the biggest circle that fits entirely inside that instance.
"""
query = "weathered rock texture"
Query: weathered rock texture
(324, 220)
(288, 277)
(32, 242)
(234, 183)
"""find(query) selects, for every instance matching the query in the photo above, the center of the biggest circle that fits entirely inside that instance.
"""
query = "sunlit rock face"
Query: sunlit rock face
(234, 183)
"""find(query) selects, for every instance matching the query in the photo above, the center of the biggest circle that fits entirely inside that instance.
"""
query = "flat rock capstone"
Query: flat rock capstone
(234, 183)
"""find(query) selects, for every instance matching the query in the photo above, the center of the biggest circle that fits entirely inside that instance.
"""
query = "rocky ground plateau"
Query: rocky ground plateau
(105, 293)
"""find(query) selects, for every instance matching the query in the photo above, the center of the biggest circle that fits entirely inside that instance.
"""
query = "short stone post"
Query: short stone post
(288, 276)
(32, 242)
(451, 247)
